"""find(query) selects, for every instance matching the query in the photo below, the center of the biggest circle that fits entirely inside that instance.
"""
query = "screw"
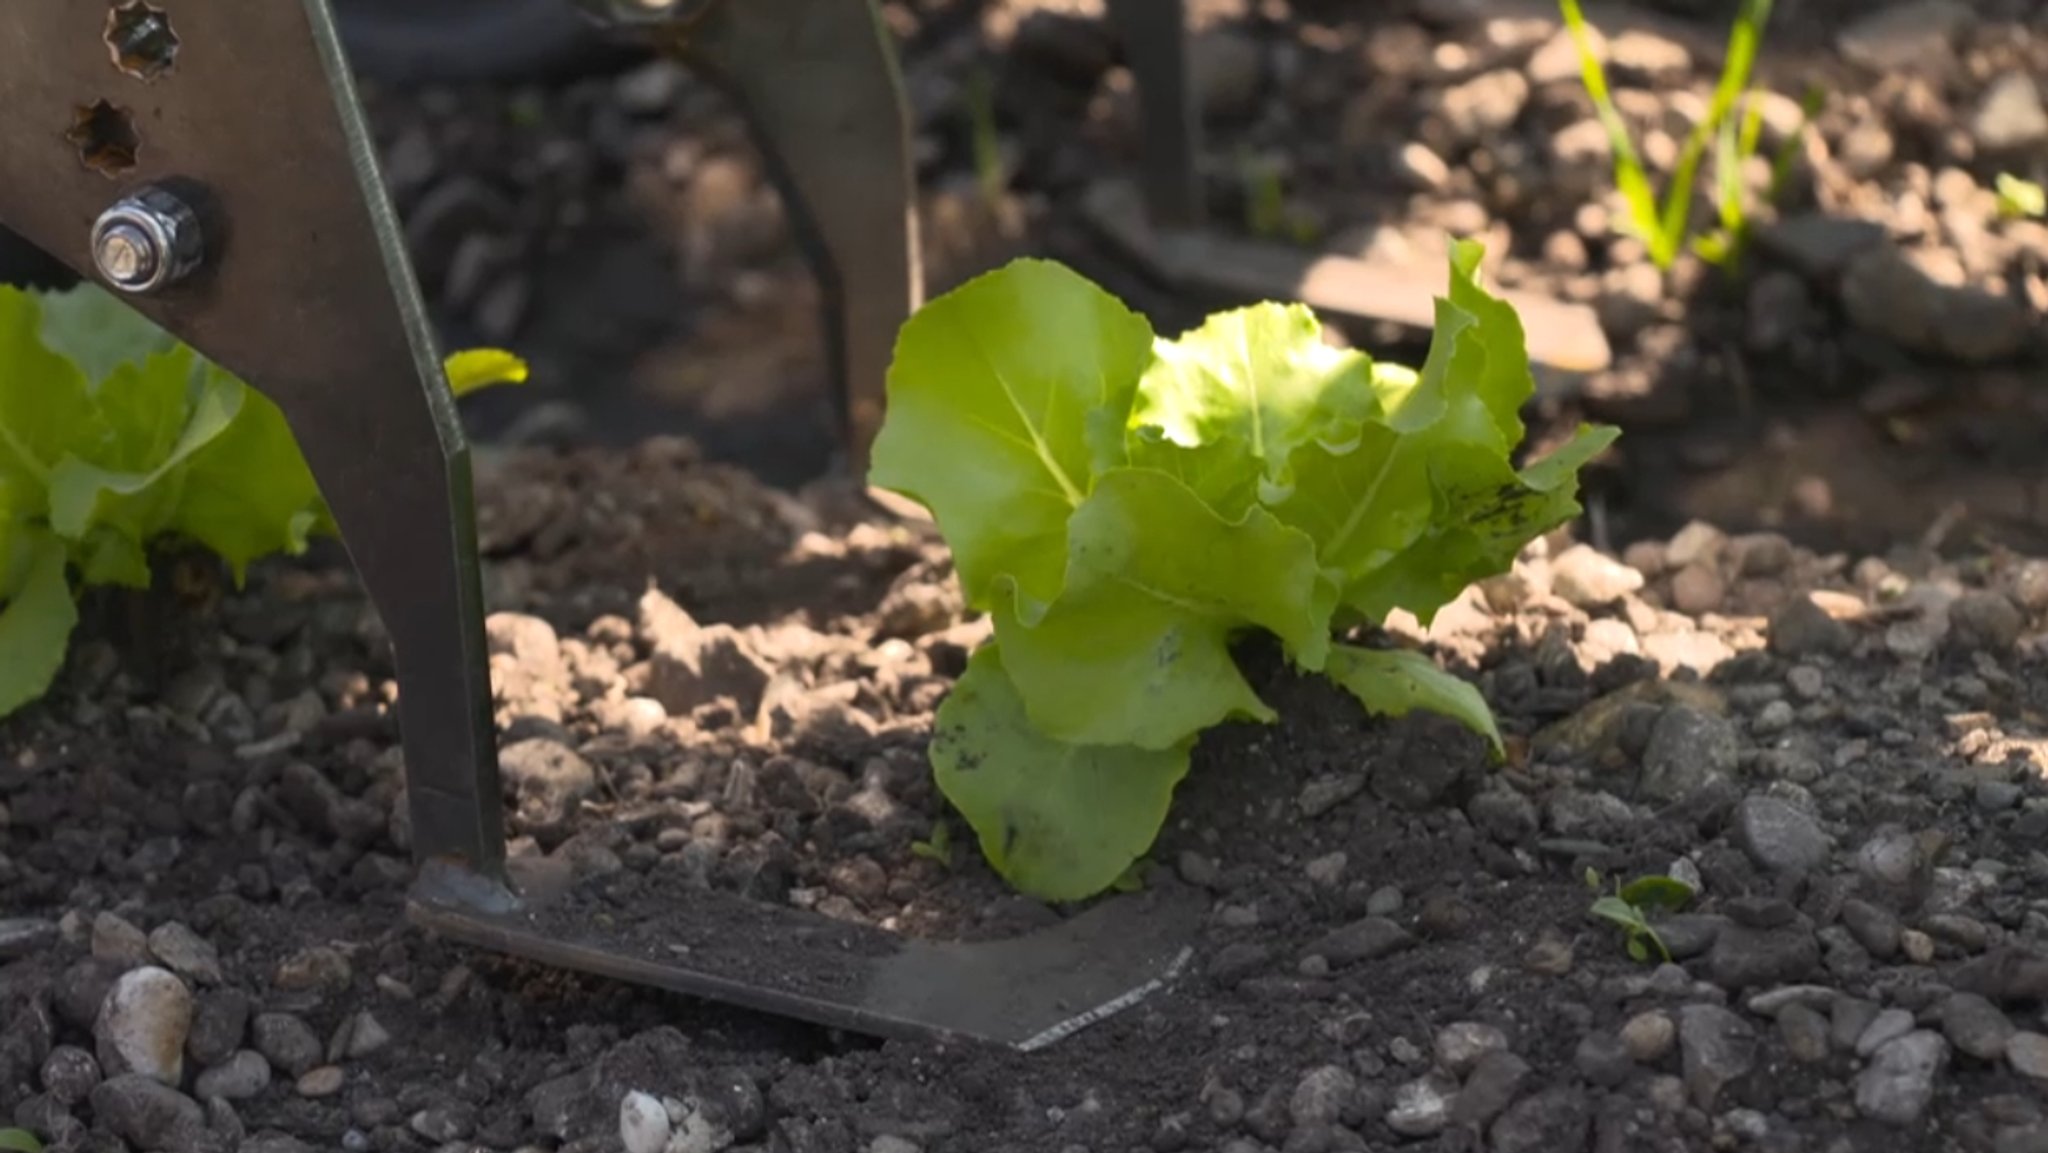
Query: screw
(147, 241)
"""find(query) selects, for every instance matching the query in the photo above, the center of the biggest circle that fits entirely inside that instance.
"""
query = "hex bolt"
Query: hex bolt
(647, 13)
(147, 241)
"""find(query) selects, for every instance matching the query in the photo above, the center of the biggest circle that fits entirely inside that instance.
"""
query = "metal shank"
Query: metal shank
(1155, 40)
(307, 294)
(819, 85)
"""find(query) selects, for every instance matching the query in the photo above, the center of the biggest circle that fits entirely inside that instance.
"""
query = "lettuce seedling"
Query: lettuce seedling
(1127, 508)
(115, 437)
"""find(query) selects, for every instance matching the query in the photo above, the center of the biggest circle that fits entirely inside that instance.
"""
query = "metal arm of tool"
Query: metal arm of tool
(210, 162)
(818, 84)
(1155, 41)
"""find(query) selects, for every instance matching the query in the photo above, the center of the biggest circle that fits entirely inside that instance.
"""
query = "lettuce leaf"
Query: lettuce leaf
(1006, 399)
(1060, 821)
(116, 437)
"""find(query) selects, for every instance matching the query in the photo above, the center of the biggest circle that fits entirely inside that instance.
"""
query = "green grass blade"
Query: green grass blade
(1743, 42)
(1630, 177)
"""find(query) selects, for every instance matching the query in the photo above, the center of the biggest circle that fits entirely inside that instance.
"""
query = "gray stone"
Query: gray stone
(1649, 1036)
(1890, 298)
(2028, 1054)
(1322, 1096)
(2010, 116)
(1690, 935)
(186, 953)
(1503, 814)
(1603, 1059)
(1975, 1026)
(1484, 106)
(1363, 940)
(1898, 1084)
(1779, 836)
(1421, 1107)
(69, 1073)
(320, 969)
(1998, 796)
(287, 1042)
(240, 1077)
(143, 1024)
(550, 778)
(114, 938)
(1875, 928)
(1772, 1002)
(1689, 750)
(1575, 813)
(1848, 1018)
(366, 1036)
(1914, 35)
(1806, 1033)
(1888, 1026)
(1421, 168)
(1982, 620)
(147, 1113)
(20, 936)
(1590, 578)
(1897, 867)
(1494, 1082)
(324, 1081)
(1325, 793)
(1558, 1118)
(1460, 1045)
(1744, 957)
(1716, 1047)
(1801, 629)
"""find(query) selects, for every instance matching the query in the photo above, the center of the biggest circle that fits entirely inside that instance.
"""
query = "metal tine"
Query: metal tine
(1155, 40)
(819, 85)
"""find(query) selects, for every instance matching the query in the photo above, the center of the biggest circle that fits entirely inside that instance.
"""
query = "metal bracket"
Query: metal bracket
(250, 219)
(1159, 221)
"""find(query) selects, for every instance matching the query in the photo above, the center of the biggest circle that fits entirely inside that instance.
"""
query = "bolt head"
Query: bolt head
(147, 241)
(126, 255)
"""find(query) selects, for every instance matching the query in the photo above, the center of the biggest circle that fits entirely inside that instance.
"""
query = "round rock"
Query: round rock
(69, 1074)
(2028, 1053)
(1779, 836)
(1460, 1046)
(1975, 1026)
(1649, 1036)
(1322, 1096)
(1689, 750)
(240, 1077)
(1898, 1084)
(143, 1024)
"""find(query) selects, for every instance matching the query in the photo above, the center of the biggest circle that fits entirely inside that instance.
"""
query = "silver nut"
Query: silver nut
(646, 13)
(147, 241)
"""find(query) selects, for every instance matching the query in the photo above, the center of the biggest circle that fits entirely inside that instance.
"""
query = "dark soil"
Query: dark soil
(707, 685)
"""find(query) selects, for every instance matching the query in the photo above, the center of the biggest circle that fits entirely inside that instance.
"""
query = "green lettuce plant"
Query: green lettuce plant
(1126, 508)
(115, 438)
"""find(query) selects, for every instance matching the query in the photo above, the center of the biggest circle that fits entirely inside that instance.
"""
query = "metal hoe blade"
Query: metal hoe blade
(209, 159)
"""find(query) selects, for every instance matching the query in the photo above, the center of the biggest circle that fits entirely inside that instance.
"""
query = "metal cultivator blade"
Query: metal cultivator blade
(209, 160)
